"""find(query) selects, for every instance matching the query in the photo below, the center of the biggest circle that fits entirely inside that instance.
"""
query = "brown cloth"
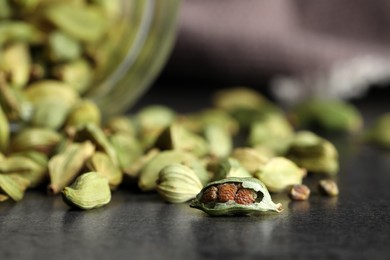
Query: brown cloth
(308, 47)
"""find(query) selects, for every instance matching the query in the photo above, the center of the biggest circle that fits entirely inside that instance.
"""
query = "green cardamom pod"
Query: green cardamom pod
(38, 139)
(176, 137)
(77, 73)
(5, 9)
(127, 148)
(82, 22)
(62, 47)
(279, 173)
(330, 115)
(13, 185)
(273, 132)
(102, 164)
(178, 183)
(251, 159)
(82, 113)
(149, 173)
(154, 118)
(230, 167)
(64, 167)
(219, 141)
(4, 131)
(379, 133)
(134, 170)
(91, 132)
(313, 153)
(17, 64)
(121, 124)
(238, 97)
(90, 190)
(13, 31)
(235, 196)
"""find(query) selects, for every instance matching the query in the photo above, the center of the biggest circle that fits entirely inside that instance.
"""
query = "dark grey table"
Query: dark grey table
(355, 225)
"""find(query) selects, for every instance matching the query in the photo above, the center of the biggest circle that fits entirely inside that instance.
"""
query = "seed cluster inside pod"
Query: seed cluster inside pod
(233, 192)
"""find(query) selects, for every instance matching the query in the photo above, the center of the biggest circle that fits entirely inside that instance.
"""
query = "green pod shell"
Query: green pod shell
(263, 202)
(90, 190)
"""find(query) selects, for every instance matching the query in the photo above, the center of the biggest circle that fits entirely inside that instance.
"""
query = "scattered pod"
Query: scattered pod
(235, 196)
(90, 190)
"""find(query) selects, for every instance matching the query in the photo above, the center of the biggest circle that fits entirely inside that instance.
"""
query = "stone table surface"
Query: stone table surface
(354, 225)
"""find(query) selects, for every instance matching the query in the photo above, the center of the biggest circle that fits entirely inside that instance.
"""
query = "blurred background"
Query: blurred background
(288, 49)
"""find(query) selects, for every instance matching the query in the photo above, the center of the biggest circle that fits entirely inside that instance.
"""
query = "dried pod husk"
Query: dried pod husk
(13, 185)
(83, 112)
(279, 173)
(102, 164)
(65, 166)
(330, 115)
(38, 139)
(4, 131)
(249, 158)
(90, 190)
(62, 47)
(229, 167)
(219, 141)
(86, 23)
(154, 118)
(17, 61)
(178, 183)
(176, 137)
(259, 199)
(18, 31)
(379, 133)
(77, 73)
(133, 170)
(313, 153)
(149, 174)
(273, 131)
(91, 132)
(25, 167)
(127, 148)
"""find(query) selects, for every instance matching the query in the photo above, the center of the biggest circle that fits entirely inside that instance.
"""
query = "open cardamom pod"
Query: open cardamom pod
(235, 196)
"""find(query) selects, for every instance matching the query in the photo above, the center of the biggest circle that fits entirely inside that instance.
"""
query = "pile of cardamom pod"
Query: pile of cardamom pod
(52, 137)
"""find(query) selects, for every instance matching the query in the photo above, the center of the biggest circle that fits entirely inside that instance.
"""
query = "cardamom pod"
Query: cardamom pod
(178, 183)
(38, 139)
(154, 118)
(17, 31)
(279, 173)
(219, 141)
(17, 64)
(238, 97)
(127, 148)
(313, 153)
(176, 137)
(121, 124)
(149, 173)
(82, 113)
(379, 132)
(62, 47)
(4, 131)
(230, 167)
(330, 115)
(77, 73)
(65, 166)
(90, 190)
(102, 164)
(134, 170)
(235, 196)
(273, 132)
(13, 185)
(249, 158)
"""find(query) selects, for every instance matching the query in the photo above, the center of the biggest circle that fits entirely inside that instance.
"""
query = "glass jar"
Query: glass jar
(145, 37)
(107, 50)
